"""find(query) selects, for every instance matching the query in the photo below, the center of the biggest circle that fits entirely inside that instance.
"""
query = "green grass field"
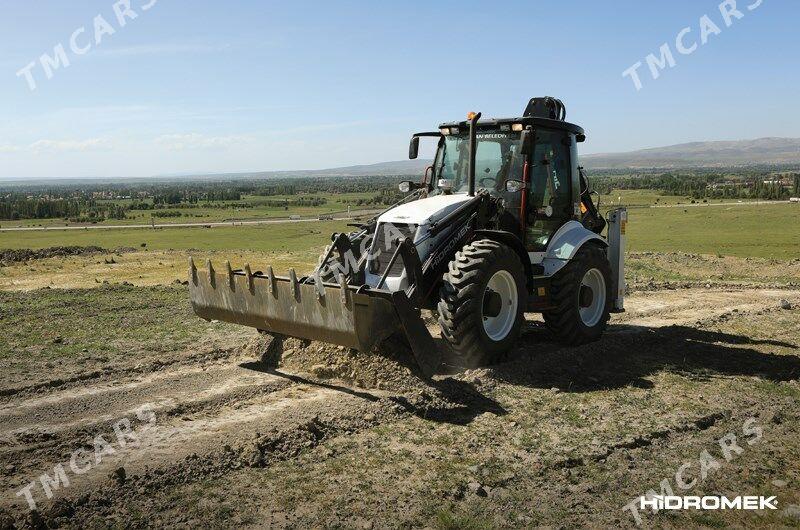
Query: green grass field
(641, 198)
(281, 237)
(260, 210)
(765, 231)
(743, 230)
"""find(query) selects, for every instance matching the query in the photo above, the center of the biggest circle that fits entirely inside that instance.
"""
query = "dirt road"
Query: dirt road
(553, 436)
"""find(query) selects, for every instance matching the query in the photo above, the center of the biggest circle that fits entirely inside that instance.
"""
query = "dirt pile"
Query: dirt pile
(389, 371)
(391, 367)
(11, 255)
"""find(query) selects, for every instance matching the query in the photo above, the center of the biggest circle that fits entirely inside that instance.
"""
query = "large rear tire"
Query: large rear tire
(581, 294)
(482, 302)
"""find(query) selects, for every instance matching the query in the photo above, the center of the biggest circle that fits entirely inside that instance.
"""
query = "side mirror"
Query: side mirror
(413, 148)
(407, 186)
(445, 184)
(526, 142)
(513, 186)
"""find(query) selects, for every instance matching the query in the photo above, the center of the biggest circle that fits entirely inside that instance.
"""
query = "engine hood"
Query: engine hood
(424, 211)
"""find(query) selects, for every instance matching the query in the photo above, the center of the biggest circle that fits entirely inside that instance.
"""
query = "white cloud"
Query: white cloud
(185, 142)
(91, 144)
(59, 146)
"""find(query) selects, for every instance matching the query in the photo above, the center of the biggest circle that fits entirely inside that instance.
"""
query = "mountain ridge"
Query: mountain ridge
(719, 153)
(708, 154)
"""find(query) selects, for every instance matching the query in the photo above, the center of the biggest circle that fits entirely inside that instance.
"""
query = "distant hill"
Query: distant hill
(777, 151)
(400, 167)
(703, 154)
(695, 154)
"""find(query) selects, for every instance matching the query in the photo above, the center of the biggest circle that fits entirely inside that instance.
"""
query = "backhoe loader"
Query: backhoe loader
(502, 223)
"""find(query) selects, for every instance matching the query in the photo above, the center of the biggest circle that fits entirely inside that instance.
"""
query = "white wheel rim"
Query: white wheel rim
(591, 314)
(498, 328)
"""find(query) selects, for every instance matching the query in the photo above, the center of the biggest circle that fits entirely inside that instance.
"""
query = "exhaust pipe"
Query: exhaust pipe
(473, 147)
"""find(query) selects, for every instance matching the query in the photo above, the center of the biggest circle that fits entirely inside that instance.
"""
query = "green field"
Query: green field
(734, 229)
(766, 231)
(221, 211)
(642, 198)
(270, 237)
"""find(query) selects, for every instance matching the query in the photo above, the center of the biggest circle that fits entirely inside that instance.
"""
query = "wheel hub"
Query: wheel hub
(500, 304)
(586, 296)
(592, 297)
(492, 303)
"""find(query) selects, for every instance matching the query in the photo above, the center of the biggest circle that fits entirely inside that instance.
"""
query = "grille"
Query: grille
(383, 249)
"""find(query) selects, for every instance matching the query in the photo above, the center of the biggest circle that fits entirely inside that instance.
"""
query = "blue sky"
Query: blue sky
(212, 86)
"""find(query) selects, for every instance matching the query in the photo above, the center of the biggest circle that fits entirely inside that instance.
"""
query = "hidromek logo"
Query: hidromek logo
(675, 502)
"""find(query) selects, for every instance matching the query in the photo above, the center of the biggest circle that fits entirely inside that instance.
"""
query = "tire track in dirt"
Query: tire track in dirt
(113, 373)
(200, 410)
(39, 430)
(663, 308)
(184, 385)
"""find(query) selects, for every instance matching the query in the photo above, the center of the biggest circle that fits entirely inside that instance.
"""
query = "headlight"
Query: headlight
(445, 184)
(405, 186)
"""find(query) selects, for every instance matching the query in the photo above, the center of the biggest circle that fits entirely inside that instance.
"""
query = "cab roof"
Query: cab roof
(493, 123)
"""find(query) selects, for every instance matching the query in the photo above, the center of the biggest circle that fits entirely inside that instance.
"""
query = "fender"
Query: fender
(565, 243)
(512, 241)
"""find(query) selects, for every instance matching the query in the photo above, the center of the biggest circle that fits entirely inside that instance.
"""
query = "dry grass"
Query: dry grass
(143, 268)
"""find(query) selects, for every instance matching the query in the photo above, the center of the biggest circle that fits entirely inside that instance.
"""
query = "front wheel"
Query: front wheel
(482, 302)
(581, 294)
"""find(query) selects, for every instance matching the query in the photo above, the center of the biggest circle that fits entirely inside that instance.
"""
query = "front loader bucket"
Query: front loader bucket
(338, 314)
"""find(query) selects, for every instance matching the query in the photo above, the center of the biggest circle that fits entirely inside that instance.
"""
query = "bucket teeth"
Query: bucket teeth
(343, 289)
(249, 274)
(192, 271)
(318, 286)
(229, 272)
(293, 281)
(271, 280)
(211, 277)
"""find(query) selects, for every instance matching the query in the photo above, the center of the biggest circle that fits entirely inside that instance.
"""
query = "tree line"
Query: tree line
(765, 186)
(76, 210)
(80, 202)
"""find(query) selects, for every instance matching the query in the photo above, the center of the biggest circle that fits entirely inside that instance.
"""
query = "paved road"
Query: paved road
(185, 225)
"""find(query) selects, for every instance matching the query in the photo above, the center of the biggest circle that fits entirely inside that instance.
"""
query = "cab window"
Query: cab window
(549, 187)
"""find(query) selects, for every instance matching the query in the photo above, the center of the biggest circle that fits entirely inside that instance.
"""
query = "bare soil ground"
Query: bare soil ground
(155, 418)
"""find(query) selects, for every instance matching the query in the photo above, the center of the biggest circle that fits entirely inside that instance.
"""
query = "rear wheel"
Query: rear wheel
(581, 294)
(482, 302)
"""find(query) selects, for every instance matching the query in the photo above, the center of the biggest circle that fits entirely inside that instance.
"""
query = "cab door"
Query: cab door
(550, 191)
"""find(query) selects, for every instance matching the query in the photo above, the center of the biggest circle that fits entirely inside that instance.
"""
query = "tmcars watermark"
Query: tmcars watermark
(694, 472)
(686, 43)
(81, 461)
(81, 42)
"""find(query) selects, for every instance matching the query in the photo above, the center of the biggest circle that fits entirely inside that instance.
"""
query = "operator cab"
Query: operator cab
(531, 162)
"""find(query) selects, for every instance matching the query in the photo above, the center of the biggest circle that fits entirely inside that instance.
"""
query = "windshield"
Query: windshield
(497, 159)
